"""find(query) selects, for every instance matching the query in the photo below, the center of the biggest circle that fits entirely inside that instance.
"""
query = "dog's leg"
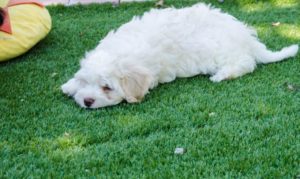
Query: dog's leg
(71, 87)
(233, 71)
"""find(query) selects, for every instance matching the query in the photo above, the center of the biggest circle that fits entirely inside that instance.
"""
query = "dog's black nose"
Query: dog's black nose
(88, 101)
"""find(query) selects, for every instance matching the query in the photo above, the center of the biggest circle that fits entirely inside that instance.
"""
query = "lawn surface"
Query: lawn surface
(248, 127)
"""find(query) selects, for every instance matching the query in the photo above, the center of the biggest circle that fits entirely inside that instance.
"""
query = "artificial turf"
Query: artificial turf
(244, 128)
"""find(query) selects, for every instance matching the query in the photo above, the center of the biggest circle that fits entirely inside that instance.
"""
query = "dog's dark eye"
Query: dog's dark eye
(106, 88)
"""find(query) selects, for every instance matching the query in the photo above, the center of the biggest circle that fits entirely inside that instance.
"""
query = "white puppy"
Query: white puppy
(165, 44)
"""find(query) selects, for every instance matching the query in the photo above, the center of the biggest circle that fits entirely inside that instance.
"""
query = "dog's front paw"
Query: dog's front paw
(216, 78)
(70, 87)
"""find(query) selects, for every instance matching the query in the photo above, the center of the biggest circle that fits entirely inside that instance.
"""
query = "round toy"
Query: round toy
(23, 23)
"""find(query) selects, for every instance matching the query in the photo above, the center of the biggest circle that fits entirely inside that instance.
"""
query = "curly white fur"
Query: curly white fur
(165, 44)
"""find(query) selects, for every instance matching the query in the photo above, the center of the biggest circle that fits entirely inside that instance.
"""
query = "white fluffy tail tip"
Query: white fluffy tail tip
(291, 50)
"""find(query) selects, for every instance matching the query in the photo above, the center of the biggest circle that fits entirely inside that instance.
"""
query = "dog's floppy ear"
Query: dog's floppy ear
(135, 83)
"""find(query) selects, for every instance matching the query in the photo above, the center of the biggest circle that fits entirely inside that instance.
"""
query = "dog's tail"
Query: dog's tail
(263, 55)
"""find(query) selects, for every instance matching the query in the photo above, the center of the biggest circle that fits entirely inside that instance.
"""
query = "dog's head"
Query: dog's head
(99, 84)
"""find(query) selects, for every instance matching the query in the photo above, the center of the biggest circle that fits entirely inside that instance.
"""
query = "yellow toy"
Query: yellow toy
(23, 23)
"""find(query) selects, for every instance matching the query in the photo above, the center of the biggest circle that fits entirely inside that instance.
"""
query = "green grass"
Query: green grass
(254, 132)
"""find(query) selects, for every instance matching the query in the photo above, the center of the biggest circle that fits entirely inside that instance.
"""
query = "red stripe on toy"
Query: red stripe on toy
(6, 27)
(18, 2)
